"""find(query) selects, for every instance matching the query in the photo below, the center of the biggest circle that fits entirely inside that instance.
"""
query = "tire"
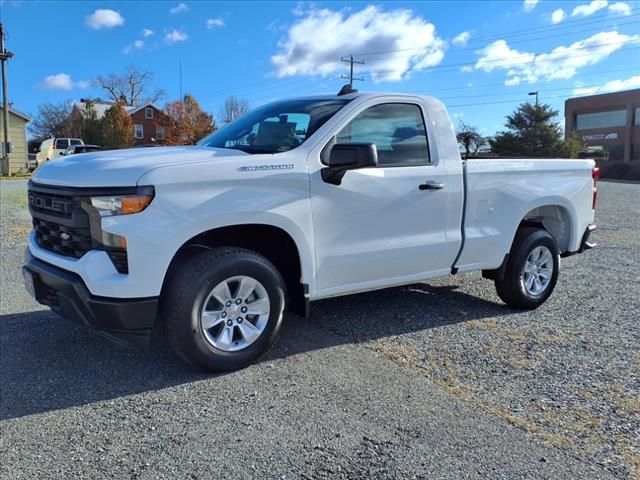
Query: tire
(527, 281)
(243, 331)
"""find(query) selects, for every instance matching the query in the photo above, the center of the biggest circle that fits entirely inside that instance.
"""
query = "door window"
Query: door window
(75, 142)
(397, 130)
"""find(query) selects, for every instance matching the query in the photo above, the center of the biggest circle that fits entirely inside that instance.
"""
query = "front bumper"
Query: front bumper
(126, 320)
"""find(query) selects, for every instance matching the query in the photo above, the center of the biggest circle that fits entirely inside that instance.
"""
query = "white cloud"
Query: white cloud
(621, 8)
(560, 63)
(408, 41)
(300, 9)
(612, 86)
(215, 22)
(180, 8)
(558, 15)
(175, 36)
(147, 32)
(104, 19)
(137, 45)
(461, 39)
(589, 8)
(529, 5)
(510, 82)
(466, 69)
(63, 81)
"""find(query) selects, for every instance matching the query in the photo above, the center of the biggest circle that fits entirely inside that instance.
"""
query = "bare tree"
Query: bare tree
(233, 109)
(55, 120)
(132, 86)
(469, 139)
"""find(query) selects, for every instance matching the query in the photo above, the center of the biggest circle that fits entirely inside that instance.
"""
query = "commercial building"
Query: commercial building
(607, 124)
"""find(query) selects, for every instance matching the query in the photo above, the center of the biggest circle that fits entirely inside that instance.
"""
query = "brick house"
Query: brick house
(149, 121)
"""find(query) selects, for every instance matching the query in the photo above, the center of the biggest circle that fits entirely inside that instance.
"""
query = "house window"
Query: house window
(138, 131)
(159, 133)
(148, 113)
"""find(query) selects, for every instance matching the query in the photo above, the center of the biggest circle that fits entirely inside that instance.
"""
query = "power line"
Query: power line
(502, 63)
(278, 83)
(500, 36)
(529, 39)
(496, 84)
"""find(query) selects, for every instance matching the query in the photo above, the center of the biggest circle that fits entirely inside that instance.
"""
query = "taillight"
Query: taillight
(595, 173)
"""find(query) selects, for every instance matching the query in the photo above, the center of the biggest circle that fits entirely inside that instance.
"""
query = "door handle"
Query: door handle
(431, 186)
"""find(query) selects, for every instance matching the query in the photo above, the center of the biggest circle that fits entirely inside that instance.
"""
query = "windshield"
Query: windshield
(276, 127)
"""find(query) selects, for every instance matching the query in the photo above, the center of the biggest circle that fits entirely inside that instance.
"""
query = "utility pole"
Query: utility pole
(535, 125)
(351, 61)
(180, 67)
(4, 56)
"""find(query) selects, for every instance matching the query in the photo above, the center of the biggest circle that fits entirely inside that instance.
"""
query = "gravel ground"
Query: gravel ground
(435, 380)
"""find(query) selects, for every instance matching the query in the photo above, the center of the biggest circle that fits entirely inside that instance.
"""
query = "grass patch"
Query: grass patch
(22, 176)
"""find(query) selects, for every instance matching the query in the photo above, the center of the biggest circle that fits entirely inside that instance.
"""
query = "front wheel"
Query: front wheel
(223, 308)
(532, 269)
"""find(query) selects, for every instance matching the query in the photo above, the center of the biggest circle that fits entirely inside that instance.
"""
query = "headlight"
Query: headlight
(121, 204)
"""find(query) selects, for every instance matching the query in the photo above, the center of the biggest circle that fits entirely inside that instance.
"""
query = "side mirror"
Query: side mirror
(348, 156)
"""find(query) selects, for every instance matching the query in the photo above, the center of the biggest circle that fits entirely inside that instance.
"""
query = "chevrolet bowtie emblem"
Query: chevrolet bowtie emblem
(65, 236)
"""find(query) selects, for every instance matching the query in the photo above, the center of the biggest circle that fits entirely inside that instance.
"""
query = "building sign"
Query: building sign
(600, 136)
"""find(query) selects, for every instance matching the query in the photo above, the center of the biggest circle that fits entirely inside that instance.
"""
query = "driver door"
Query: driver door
(380, 227)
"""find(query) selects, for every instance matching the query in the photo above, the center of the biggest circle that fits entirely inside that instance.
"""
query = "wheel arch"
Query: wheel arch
(554, 217)
(273, 242)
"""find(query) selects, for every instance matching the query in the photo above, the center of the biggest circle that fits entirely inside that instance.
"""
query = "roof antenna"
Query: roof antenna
(347, 89)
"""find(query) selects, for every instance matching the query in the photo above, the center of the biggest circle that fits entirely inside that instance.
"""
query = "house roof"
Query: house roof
(102, 107)
(18, 113)
(137, 109)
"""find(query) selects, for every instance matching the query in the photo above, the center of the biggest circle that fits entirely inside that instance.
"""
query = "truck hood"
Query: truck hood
(119, 168)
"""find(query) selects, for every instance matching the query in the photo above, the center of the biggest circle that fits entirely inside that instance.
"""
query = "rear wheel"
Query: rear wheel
(532, 269)
(224, 308)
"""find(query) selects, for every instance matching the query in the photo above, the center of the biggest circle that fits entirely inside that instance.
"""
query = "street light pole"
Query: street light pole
(535, 125)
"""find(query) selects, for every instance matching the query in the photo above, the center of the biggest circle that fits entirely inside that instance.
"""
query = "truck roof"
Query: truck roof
(367, 95)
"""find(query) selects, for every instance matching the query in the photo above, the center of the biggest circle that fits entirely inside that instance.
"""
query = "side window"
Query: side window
(138, 131)
(398, 131)
(62, 143)
(75, 142)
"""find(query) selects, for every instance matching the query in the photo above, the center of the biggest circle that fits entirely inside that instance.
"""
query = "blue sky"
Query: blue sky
(480, 58)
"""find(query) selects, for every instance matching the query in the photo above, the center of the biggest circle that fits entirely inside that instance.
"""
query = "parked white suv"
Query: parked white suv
(299, 200)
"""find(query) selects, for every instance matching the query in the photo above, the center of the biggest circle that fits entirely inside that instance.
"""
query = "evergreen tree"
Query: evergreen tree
(92, 126)
(532, 132)
(117, 128)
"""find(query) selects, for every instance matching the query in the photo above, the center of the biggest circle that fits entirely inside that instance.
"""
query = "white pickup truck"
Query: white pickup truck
(299, 200)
